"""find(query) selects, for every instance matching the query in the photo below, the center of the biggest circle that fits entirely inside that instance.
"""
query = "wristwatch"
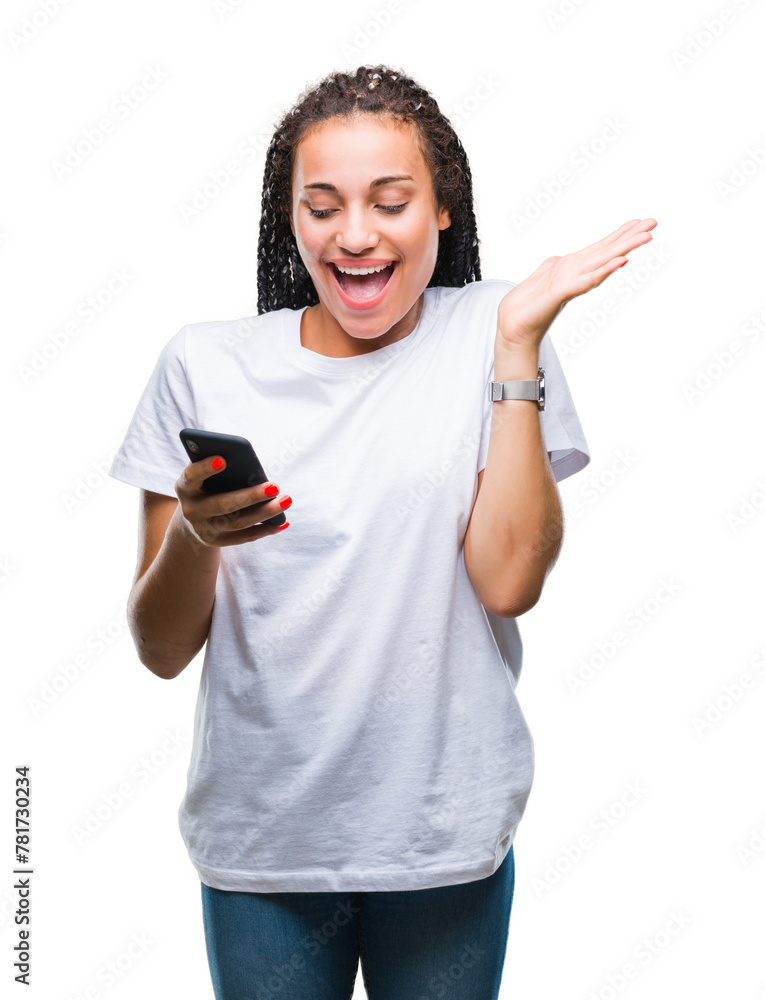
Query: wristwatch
(520, 388)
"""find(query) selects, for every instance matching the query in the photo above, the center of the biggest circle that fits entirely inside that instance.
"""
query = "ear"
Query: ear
(444, 219)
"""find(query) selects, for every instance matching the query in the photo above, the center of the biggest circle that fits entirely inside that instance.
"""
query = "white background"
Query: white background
(524, 93)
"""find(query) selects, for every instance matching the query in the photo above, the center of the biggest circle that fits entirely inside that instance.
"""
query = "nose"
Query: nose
(355, 238)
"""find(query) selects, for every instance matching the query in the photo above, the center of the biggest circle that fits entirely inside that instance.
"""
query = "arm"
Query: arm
(173, 592)
(516, 526)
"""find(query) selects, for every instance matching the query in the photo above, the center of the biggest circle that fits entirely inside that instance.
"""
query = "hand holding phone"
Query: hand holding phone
(227, 506)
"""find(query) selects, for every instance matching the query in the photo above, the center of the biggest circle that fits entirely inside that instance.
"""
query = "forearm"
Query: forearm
(516, 526)
(170, 606)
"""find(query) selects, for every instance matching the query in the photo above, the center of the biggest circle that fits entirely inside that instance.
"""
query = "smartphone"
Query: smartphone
(243, 467)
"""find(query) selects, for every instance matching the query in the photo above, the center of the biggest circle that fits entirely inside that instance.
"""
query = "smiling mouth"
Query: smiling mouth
(363, 286)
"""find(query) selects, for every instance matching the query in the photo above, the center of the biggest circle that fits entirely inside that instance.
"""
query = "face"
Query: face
(362, 221)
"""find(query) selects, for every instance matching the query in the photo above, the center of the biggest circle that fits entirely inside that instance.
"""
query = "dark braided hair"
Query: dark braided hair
(283, 281)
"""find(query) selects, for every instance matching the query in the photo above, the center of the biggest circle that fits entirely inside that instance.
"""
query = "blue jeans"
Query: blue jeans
(414, 945)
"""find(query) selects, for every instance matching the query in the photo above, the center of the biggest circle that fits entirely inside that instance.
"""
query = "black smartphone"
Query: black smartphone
(243, 467)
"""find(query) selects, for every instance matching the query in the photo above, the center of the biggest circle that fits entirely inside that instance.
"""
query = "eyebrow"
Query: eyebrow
(375, 184)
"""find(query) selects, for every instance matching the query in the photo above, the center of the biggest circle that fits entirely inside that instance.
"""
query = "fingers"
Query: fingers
(246, 521)
(231, 516)
(633, 226)
(599, 244)
(630, 235)
(249, 534)
(194, 474)
(212, 534)
(197, 472)
(626, 238)
(629, 229)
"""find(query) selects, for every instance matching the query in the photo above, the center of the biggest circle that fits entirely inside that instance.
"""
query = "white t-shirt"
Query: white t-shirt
(356, 727)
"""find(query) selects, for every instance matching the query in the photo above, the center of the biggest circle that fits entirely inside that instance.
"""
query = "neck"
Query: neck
(320, 332)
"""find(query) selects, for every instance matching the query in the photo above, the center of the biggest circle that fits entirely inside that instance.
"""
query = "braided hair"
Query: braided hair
(283, 281)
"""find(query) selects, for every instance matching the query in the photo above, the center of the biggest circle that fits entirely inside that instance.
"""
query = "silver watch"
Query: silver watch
(520, 388)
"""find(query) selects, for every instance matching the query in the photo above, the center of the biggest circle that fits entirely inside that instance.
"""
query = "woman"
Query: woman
(360, 762)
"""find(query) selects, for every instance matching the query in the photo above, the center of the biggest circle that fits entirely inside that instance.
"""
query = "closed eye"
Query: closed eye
(386, 208)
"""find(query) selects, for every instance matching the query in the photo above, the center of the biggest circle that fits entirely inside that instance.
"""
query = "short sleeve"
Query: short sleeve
(151, 455)
(561, 429)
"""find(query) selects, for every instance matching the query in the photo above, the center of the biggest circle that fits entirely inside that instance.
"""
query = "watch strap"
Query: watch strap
(520, 388)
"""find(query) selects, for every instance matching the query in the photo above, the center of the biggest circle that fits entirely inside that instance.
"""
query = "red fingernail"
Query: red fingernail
(622, 264)
(284, 526)
(285, 502)
(217, 463)
(271, 491)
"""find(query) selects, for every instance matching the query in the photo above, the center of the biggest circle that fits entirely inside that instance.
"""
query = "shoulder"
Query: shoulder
(201, 342)
(232, 330)
(475, 303)
(485, 293)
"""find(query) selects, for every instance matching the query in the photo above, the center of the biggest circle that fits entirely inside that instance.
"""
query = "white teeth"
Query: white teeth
(362, 270)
